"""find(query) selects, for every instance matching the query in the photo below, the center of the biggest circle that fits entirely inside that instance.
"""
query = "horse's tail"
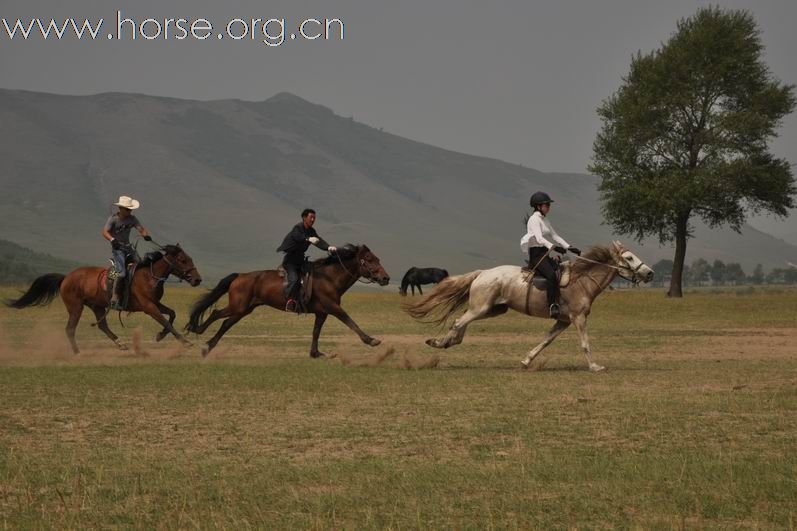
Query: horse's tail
(206, 301)
(43, 290)
(446, 298)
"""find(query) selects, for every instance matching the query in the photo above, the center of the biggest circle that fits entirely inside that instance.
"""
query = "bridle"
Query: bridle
(179, 273)
(369, 277)
(634, 277)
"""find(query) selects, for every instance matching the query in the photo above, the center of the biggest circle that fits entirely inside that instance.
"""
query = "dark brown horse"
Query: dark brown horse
(332, 277)
(85, 286)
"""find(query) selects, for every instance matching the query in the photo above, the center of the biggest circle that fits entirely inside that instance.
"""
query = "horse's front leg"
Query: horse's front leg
(581, 325)
(553, 333)
(153, 311)
(420, 290)
(167, 311)
(341, 314)
(320, 319)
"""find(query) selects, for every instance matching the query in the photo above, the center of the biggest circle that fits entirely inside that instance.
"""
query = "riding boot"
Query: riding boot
(553, 301)
(116, 294)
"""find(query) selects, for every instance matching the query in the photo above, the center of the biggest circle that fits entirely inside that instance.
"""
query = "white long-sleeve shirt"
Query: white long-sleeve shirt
(539, 233)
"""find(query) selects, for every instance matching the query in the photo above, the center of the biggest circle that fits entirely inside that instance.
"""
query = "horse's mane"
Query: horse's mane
(154, 256)
(598, 253)
(343, 253)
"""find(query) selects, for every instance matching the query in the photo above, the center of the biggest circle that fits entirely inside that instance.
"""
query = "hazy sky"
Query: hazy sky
(518, 81)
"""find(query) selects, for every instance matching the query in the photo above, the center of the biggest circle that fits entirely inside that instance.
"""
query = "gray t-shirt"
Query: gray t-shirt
(120, 228)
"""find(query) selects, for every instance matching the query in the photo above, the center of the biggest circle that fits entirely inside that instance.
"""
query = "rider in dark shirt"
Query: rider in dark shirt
(294, 246)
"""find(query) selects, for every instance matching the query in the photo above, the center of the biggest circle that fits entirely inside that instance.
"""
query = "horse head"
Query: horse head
(630, 266)
(182, 265)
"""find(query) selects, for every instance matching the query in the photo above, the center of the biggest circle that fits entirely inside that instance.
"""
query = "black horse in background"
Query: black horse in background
(415, 276)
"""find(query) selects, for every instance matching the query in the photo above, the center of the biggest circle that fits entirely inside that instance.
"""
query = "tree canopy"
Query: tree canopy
(686, 135)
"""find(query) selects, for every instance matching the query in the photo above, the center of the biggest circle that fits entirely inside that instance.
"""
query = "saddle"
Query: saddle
(305, 284)
(111, 275)
(539, 281)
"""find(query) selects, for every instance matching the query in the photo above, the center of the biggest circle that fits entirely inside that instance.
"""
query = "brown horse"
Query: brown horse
(332, 277)
(85, 286)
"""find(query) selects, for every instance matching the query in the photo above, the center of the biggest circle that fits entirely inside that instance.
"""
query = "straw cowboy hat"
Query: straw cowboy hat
(127, 202)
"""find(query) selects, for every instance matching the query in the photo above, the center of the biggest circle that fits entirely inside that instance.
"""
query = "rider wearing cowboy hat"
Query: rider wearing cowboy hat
(537, 243)
(117, 231)
(294, 245)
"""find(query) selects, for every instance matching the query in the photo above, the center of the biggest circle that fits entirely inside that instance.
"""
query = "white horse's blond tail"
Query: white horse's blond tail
(446, 298)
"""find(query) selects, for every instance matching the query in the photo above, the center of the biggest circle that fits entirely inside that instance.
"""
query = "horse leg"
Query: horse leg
(75, 309)
(152, 310)
(102, 324)
(553, 333)
(341, 314)
(581, 325)
(167, 311)
(215, 315)
(457, 331)
(226, 325)
(320, 318)
(412, 287)
(420, 290)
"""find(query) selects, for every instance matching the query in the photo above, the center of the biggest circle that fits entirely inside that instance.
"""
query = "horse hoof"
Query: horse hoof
(205, 351)
(159, 337)
(122, 346)
(374, 342)
(433, 343)
(318, 354)
(186, 343)
(525, 364)
(596, 368)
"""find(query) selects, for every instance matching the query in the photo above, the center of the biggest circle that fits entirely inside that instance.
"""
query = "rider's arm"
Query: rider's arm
(106, 230)
(141, 230)
(558, 239)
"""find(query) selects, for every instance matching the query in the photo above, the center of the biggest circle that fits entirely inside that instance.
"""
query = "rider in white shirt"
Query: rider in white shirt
(539, 240)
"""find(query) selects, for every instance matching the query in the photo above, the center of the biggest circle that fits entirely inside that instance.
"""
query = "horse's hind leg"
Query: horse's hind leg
(215, 315)
(102, 324)
(553, 333)
(166, 311)
(581, 325)
(226, 325)
(75, 309)
(457, 331)
(420, 290)
(320, 318)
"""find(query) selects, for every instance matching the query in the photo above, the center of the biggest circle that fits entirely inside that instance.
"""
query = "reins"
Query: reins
(355, 277)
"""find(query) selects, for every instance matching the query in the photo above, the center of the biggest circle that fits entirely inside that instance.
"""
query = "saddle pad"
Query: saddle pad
(564, 276)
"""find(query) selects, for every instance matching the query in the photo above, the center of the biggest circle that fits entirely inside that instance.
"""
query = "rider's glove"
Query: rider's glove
(115, 245)
(332, 249)
(575, 250)
(147, 238)
(313, 240)
(559, 249)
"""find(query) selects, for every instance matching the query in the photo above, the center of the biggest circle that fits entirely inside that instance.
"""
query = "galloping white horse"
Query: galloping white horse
(493, 291)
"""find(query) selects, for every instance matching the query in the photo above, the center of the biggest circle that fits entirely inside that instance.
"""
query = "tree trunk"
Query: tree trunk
(681, 225)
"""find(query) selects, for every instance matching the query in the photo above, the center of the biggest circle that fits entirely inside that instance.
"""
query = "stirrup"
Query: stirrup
(115, 305)
(554, 310)
(291, 306)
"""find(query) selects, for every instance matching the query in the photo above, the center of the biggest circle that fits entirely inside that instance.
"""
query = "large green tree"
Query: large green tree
(686, 135)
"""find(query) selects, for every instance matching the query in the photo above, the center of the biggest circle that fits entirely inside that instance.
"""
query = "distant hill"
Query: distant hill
(227, 179)
(20, 264)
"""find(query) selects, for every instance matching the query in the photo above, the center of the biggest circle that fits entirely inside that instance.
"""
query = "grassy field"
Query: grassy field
(693, 425)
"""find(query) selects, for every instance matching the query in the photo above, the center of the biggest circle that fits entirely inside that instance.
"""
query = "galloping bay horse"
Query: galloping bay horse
(85, 286)
(493, 291)
(332, 276)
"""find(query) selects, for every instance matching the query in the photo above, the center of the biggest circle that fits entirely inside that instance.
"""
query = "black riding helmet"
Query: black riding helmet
(538, 198)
